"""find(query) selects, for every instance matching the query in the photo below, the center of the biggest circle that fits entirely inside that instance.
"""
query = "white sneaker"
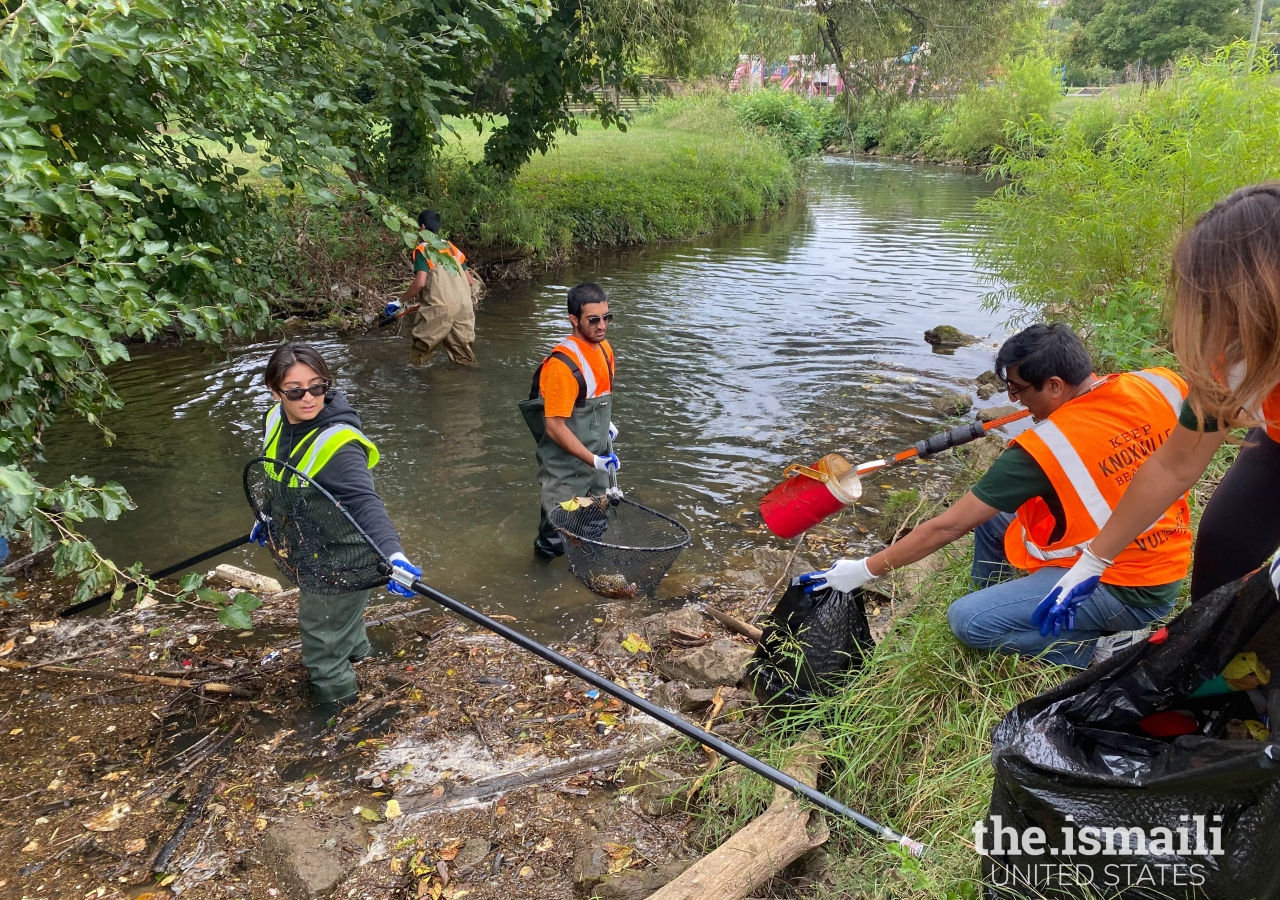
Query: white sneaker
(1109, 645)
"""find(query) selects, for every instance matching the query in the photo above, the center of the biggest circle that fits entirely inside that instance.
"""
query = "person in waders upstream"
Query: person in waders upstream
(568, 410)
(1045, 498)
(446, 316)
(313, 428)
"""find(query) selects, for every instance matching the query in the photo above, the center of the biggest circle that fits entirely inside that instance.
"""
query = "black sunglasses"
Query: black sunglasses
(596, 320)
(316, 390)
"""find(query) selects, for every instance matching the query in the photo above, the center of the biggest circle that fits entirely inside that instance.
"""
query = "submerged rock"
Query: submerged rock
(952, 404)
(948, 336)
(990, 414)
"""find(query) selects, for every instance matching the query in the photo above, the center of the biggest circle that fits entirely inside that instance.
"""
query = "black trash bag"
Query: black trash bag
(1076, 758)
(811, 644)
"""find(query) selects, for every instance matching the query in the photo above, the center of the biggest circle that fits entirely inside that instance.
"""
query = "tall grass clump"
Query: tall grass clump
(908, 744)
(803, 125)
(982, 116)
(1084, 228)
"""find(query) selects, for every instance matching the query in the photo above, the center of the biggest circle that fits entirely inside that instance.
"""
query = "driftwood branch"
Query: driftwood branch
(734, 624)
(212, 687)
(775, 839)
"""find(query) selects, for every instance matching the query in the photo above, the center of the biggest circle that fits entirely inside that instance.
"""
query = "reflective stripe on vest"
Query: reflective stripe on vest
(1089, 449)
(316, 450)
(588, 374)
(1165, 387)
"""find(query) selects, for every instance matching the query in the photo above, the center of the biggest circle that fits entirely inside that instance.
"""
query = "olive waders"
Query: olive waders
(446, 318)
(561, 475)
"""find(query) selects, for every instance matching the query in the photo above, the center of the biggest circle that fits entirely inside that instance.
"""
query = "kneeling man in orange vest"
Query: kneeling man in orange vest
(1036, 509)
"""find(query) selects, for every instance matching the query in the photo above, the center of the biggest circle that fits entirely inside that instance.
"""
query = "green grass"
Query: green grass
(684, 169)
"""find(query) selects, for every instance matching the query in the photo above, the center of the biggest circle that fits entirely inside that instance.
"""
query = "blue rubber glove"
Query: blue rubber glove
(1057, 612)
(613, 432)
(608, 463)
(401, 562)
(392, 308)
(845, 576)
(261, 532)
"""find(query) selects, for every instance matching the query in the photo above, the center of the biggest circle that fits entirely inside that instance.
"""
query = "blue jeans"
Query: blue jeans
(997, 616)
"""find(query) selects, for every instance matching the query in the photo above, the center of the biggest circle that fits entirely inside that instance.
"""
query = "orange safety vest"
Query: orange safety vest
(451, 250)
(1090, 448)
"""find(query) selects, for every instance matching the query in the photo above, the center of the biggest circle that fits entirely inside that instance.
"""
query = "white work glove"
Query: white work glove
(845, 576)
(613, 432)
(1275, 573)
(1057, 612)
(401, 562)
(607, 463)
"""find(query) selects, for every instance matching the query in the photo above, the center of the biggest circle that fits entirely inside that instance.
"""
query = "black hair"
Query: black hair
(1042, 351)
(289, 355)
(582, 294)
(430, 220)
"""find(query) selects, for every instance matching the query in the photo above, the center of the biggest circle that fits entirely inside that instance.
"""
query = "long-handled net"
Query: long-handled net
(292, 505)
(617, 547)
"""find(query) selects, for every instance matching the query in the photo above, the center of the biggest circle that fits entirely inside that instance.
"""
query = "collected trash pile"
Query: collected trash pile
(1161, 759)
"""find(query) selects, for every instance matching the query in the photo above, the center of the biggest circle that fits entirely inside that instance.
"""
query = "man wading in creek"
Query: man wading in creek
(1062, 478)
(446, 316)
(313, 428)
(569, 409)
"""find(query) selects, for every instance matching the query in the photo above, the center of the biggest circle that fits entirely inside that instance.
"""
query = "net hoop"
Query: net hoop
(678, 545)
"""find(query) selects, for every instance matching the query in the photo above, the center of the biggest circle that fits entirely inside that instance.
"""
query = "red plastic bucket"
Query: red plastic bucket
(803, 499)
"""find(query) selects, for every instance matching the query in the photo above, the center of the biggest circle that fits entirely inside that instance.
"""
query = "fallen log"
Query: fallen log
(735, 625)
(212, 687)
(771, 842)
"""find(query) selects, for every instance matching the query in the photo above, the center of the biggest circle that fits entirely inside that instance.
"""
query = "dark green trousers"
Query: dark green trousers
(333, 638)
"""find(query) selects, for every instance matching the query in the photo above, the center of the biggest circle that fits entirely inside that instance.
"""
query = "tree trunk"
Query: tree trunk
(770, 843)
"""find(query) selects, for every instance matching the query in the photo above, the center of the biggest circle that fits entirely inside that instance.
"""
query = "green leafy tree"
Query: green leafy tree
(122, 214)
(1115, 33)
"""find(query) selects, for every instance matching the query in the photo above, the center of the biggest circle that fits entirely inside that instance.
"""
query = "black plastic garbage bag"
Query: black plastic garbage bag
(1094, 799)
(811, 643)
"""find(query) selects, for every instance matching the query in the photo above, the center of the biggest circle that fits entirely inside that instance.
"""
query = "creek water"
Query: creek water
(738, 353)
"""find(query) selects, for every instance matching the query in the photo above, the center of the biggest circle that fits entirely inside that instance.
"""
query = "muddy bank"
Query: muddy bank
(152, 751)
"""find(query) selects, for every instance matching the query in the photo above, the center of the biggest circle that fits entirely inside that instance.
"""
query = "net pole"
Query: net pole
(158, 574)
(666, 717)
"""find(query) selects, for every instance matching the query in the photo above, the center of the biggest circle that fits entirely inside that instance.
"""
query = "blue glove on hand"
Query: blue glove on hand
(845, 576)
(1057, 612)
(1275, 573)
(613, 432)
(393, 308)
(261, 532)
(401, 562)
(608, 463)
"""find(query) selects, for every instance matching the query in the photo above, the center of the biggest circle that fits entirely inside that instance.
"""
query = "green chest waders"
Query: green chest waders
(561, 475)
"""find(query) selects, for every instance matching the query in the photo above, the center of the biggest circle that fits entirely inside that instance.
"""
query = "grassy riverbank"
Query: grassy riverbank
(681, 169)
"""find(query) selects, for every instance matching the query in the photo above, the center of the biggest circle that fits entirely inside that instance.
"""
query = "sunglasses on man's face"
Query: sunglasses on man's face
(316, 390)
(593, 321)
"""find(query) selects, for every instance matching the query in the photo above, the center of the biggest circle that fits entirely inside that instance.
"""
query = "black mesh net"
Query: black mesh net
(618, 548)
(314, 542)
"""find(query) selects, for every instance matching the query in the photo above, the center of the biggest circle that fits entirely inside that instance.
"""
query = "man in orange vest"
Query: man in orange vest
(1042, 501)
(446, 316)
(569, 412)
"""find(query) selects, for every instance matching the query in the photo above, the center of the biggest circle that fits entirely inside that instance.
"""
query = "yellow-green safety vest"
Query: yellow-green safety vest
(315, 451)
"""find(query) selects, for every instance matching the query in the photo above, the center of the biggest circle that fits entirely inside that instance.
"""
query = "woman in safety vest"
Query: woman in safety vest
(1226, 334)
(314, 429)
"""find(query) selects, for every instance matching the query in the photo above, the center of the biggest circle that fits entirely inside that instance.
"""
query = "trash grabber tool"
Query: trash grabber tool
(317, 544)
(388, 320)
(158, 574)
